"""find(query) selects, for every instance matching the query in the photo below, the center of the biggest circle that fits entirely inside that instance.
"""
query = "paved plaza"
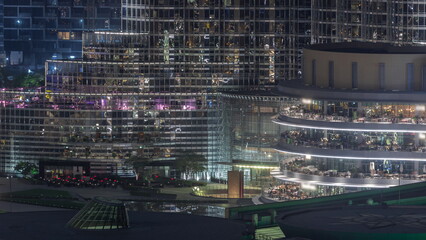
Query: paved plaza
(183, 194)
(146, 225)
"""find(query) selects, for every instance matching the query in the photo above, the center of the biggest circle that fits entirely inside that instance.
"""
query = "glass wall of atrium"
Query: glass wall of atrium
(249, 136)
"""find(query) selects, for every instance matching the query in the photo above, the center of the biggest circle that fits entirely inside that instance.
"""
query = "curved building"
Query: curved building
(359, 118)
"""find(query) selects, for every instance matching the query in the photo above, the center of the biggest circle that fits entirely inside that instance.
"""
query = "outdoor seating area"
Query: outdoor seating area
(353, 141)
(286, 192)
(289, 191)
(342, 116)
(299, 165)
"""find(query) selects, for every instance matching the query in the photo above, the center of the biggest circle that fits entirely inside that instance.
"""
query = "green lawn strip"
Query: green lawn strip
(269, 233)
(58, 203)
(39, 193)
(408, 201)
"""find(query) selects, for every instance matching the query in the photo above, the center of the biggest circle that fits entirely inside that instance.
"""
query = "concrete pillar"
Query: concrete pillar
(235, 184)
(324, 107)
(416, 168)
(416, 139)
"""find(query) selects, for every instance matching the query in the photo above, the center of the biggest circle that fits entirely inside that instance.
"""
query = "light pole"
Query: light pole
(399, 183)
(10, 185)
(10, 192)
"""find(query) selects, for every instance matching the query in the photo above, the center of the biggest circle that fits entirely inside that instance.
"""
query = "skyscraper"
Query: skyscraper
(2, 54)
(216, 43)
(37, 30)
(396, 22)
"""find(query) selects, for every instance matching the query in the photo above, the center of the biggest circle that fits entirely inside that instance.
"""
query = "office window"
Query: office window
(64, 35)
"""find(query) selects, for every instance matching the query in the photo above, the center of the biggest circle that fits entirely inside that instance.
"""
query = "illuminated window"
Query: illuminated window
(64, 35)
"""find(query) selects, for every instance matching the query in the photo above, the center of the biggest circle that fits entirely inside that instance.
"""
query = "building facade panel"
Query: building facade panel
(38, 30)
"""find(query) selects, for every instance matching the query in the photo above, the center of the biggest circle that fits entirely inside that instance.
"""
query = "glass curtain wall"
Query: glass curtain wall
(399, 22)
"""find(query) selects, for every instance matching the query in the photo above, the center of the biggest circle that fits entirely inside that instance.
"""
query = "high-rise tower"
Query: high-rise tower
(211, 43)
(396, 22)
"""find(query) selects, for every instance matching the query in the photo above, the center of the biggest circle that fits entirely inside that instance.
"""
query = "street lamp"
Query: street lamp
(10, 185)
(399, 183)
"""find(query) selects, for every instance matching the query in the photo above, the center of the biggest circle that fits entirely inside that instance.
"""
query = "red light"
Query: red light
(115, 180)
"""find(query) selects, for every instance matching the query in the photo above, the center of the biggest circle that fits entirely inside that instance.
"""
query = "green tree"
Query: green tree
(13, 78)
(189, 163)
(138, 163)
(26, 168)
(33, 80)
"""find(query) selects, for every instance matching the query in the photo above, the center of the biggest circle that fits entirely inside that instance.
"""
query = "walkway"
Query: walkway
(112, 193)
(17, 207)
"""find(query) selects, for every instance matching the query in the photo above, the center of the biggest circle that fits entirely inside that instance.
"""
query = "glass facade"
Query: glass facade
(211, 46)
(106, 108)
(398, 22)
(138, 102)
(2, 53)
(370, 144)
(36, 30)
(249, 134)
(216, 43)
(154, 89)
(297, 29)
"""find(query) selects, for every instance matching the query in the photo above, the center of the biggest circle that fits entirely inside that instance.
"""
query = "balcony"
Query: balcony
(312, 122)
(366, 182)
(324, 152)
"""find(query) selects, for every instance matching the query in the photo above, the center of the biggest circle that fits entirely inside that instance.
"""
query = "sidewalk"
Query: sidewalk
(20, 185)
(17, 207)
(183, 193)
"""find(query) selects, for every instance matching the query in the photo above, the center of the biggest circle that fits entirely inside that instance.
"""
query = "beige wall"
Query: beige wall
(368, 69)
